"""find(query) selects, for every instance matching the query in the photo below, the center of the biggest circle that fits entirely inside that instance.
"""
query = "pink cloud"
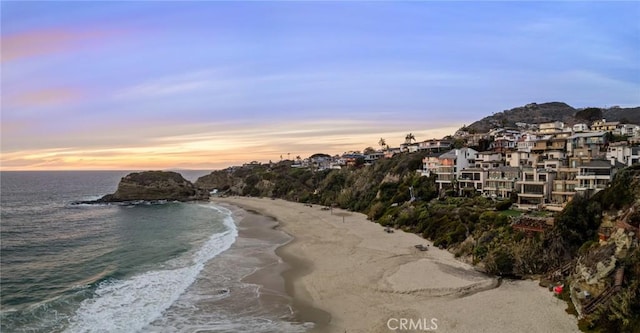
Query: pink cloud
(44, 97)
(48, 41)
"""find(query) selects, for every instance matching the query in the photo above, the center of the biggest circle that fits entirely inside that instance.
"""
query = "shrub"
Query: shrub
(500, 262)
(503, 205)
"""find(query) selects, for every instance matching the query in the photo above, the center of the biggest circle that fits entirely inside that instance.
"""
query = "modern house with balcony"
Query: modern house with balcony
(595, 176)
(623, 152)
(501, 182)
(409, 147)
(471, 181)
(604, 125)
(434, 146)
(451, 164)
(534, 187)
(552, 127)
(430, 164)
(581, 127)
(548, 148)
(372, 157)
(489, 160)
(589, 144)
(524, 156)
(506, 141)
(519, 159)
(564, 188)
(629, 130)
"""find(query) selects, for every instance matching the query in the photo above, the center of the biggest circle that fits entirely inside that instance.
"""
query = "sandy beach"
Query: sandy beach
(349, 275)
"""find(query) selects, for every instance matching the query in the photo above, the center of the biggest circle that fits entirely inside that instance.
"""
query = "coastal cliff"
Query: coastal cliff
(155, 185)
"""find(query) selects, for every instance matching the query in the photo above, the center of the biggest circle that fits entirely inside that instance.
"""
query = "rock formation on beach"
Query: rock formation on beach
(155, 185)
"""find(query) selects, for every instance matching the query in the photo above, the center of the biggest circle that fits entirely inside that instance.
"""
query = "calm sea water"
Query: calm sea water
(109, 268)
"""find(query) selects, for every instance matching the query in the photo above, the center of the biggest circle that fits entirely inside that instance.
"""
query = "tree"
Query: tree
(589, 114)
(382, 143)
(368, 150)
(459, 143)
(409, 138)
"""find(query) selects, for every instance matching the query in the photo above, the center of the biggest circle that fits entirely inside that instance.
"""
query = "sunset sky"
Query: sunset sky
(205, 85)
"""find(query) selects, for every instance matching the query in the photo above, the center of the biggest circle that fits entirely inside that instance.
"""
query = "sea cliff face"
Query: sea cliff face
(155, 185)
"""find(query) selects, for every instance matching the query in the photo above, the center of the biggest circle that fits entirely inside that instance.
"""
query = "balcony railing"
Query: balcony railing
(593, 173)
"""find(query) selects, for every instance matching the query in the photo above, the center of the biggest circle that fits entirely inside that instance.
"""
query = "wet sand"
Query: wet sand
(346, 274)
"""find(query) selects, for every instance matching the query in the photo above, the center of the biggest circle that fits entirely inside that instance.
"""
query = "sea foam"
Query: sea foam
(131, 304)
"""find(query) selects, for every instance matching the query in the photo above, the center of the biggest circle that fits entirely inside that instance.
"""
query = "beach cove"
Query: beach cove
(347, 274)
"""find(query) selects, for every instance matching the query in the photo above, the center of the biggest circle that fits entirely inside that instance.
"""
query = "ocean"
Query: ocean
(172, 267)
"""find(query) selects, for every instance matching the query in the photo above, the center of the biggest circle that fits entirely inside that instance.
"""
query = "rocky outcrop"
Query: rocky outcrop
(221, 180)
(153, 186)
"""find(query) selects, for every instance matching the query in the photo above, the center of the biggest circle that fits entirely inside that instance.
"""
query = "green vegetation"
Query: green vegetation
(589, 114)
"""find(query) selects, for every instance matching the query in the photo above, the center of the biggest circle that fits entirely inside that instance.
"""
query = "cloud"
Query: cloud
(44, 97)
(213, 146)
(49, 41)
(165, 86)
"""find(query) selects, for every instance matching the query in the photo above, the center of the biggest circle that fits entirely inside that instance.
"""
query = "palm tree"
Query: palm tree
(410, 137)
(382, 143)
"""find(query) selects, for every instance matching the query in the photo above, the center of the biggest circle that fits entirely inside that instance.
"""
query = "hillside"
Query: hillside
(477, 229)
(604, 279)
(547, 112)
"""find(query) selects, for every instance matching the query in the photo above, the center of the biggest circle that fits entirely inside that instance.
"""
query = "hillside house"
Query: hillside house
(623, 152)
(504, 143)
(409, 147)
(489, 160)
(471, 181)
(501, 182)
(372, 157)
(550, 128)
(534, 187)
(564, 187)
(628, 130)
(594, 176)
(604, 125)
(451, 164)
(435, 146)
(580, 128)
(588, 144)
(430, 164)
(550, 152)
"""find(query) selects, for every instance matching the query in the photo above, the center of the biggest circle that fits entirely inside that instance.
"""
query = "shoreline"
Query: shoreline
(275, 278)
(347, 274)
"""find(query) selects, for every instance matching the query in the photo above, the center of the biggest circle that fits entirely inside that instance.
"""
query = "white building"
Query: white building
(451, 165)
(580, 127)
(622, 152)
(552, 127)
(489, 160)
(594, 177)
(627, 130)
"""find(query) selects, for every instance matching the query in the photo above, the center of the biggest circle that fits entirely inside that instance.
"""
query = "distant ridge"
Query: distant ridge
(547, 112)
